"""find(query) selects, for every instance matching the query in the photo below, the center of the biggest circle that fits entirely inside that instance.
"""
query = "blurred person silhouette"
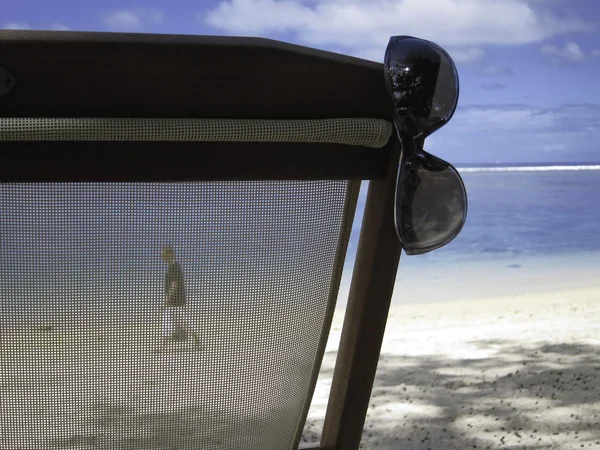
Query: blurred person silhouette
(176, 324)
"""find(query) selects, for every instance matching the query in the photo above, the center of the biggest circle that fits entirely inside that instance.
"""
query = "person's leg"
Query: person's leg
(192, 328)
(179, 323)
(167, 328)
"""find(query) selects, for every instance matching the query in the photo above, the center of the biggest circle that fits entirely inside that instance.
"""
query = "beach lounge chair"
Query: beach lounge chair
(247, 156)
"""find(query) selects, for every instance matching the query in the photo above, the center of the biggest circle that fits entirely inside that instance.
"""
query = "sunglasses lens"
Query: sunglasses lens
(431, 204)
(423, 82)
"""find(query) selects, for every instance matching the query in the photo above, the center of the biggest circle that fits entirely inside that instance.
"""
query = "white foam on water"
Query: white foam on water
(529, 168)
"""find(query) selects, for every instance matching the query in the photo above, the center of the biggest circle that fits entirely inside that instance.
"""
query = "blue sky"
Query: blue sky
(528, 68)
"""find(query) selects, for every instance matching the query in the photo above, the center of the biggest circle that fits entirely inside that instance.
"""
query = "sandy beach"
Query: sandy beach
(107, 388)
(515, 372)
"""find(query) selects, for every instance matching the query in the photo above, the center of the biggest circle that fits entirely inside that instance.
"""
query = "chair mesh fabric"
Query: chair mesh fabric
(366, 132)
(86, 360)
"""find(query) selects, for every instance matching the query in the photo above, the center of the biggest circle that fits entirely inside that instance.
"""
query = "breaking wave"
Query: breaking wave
(528, 168)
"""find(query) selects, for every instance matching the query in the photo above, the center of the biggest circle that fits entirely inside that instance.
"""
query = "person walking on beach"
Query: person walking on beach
(175, 324)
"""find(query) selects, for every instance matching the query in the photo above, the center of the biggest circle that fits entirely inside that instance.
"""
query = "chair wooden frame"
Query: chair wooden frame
(72, 74)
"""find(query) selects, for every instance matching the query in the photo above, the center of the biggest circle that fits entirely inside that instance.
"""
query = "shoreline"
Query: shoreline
(419, 283)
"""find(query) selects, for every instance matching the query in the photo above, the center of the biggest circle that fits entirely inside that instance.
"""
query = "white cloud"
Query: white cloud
(570, 53)
(466, 54)
(16, 26)
(503, 118)
(492, 70)
(363, 27)
(554, 147)
(132, 19)
(431, 142)
(494, 87)
(123, 19)
(520, 132)
(60, 27)
(527, 118)
(25, 26)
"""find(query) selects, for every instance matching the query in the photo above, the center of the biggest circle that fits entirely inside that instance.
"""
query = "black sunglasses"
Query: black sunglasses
(431, 199)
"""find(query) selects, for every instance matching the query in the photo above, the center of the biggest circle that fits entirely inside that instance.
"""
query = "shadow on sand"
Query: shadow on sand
(521, 397)
(534, 396)
(120, 427)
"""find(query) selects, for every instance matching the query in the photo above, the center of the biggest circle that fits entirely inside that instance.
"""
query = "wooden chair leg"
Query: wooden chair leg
(371, 289)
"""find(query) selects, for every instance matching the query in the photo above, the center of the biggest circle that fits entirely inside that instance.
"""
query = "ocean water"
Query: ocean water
(527, 212)
(520, 218)
(529, 228)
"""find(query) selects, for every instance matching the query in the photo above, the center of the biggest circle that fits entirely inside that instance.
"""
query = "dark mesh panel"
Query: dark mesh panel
(86, 361)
